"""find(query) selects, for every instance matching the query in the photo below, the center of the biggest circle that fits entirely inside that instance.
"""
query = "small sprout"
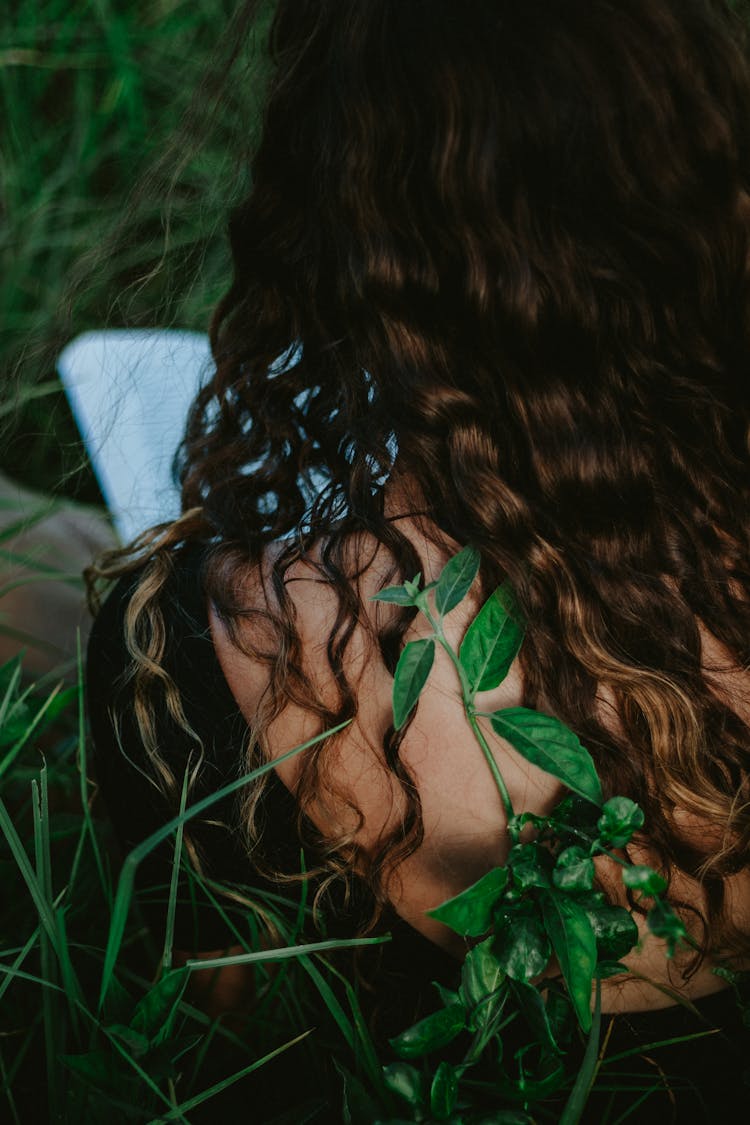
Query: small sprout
(644, 879)
(412, 587)
(620, 819)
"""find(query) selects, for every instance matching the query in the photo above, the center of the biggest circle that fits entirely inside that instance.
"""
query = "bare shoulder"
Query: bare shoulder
(358, 793)
(313, 603)
(266, 671)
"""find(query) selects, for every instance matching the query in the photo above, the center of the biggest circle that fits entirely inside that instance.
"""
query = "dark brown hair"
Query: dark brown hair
(504, 246)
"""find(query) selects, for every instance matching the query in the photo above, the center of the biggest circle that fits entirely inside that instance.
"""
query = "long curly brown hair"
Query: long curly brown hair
(504, 247)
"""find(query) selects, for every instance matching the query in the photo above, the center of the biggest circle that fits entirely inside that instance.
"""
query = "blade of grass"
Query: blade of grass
(166, 959)
(83, 781)
(30, 640)
(199, 1099)
(331, 1001)
(27, 520)
(284, 953)
(126, 882)
(203, 1048)
(299, 921)
(71, 985)
(372, 1064)
(184, 1007)
(70, 578)
(279, 978)
(205, 886)
(18, 746)
(41, 390)
(44, 852)
(7, 1090)
(20, 974)
(50, 1006)
(657, 1045)
(576, 1102)
(29, 1041)
(9, 693)
(20, 958)
(19, 558)
(27, 873)
(637, 1104)
(144, 1077)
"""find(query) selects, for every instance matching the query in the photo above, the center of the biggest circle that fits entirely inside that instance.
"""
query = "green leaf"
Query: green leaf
(405, 1081)
(559, 1011)
(10, 675)
(518, 822)
(534, 1011)
(412, 586)
(492, 642)
(614, 929)
(574, 870)
(665, 924)
(162, 1060)
(395, 595)
(456, 579)
(644, 879)
(358, 1107)
(58, 705)
(482, 979)
(470, 913)
(431, 1033)
(447, 995)
(620, 818)
(607, 969)
(530, 866)
(574, 944)
(154, 1014)
(136, 1043)
(119, 1004)
(575, 811)
(17, 719)
(522, 948)
(549, 744)
(444, 1091)
(413, 668)
(100, 1068)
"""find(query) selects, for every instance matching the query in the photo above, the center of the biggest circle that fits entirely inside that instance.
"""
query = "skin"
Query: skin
(462, 813)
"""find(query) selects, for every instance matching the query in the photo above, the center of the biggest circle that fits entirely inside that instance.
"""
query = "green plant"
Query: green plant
(81, 1003)
(88, 1001)
(113, 207)
(541, 904)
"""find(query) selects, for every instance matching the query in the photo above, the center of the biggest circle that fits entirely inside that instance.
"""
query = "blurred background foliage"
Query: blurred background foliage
(118, 162)
(113, 202)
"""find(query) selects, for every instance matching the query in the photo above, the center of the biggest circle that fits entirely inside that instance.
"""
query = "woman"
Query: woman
(490, 288)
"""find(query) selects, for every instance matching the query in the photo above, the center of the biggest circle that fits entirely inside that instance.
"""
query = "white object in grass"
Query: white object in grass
(130, 391)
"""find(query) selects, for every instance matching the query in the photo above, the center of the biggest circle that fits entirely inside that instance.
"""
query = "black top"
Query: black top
(708, 1071)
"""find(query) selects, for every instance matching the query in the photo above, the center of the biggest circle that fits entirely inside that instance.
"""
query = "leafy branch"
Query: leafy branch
(538, 912)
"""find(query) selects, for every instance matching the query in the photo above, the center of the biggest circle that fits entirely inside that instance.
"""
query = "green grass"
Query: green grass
(112, 214)
(98, 1026)
(92, 93)
(95, 1026)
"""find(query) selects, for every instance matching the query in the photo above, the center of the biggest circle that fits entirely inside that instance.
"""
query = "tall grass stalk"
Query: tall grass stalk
(92, 95)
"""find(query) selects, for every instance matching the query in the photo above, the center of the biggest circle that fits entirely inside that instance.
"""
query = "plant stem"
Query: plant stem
(467, 696)
(494, 768)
